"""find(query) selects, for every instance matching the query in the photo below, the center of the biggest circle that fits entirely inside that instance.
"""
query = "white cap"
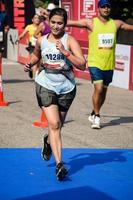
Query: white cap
(51, 6)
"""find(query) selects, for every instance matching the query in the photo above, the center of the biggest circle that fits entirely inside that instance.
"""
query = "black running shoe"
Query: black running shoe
(46, 150)
(61, 172)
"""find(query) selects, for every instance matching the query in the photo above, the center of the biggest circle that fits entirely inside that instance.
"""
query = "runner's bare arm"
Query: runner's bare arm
(82, 23)
(36, 55)
(34, 58)
(77, 57)
(75, 54)
(122, 25)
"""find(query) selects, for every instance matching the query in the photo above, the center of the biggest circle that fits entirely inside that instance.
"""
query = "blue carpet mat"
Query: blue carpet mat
(94, 174)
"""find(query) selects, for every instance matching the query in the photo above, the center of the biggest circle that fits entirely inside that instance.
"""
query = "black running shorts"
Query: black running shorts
(47, 97)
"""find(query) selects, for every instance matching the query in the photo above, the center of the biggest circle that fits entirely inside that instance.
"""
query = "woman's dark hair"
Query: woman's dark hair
(60, 12)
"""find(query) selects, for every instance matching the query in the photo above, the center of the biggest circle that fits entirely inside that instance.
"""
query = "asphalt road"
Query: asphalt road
(16, 129)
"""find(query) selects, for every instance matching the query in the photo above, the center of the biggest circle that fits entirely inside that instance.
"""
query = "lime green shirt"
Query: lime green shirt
(102, 42)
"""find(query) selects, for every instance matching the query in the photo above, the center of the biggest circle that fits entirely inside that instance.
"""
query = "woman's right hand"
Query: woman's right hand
(60, 46)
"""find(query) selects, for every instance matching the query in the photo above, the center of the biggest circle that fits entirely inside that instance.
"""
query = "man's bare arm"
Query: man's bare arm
(82, 23)
(122, 25)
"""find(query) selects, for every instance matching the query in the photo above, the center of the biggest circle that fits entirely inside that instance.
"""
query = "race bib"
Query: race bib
(1, 36)
(105, 40)
(52, 56)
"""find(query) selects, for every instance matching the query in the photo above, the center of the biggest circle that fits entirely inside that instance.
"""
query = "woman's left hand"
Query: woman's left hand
(27, 67)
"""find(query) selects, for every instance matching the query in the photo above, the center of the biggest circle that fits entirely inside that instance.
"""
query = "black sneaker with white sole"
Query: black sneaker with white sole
(61, 172)
(46, 150)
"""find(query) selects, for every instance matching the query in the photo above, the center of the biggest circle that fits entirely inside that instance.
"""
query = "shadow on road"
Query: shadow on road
(119, 120)
(81, 160)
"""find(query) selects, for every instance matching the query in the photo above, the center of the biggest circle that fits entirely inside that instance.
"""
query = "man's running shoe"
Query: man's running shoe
(61, 172)
(46, 150)
(96, 123)
(91, 118)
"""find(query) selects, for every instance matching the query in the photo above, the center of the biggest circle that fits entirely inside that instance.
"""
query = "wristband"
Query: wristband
(67, 54)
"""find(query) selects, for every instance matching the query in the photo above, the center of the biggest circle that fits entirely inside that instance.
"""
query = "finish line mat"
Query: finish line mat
(94, 174)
